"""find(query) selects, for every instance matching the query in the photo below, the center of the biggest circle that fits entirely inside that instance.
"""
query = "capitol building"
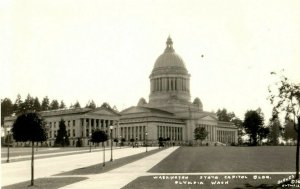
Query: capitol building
(169, 112)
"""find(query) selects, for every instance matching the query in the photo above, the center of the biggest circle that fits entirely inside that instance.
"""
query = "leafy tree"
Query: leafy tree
(289, 132)
(253, 124)
(122, 141)
(18, 105)
(132, 141)
(28, 104)
(62, 138)
(286, 100)
(6, 108)
(160, 141)
(29, 127)
(54, 105)
(76, 105)
(116, 140)
(263, 133)
(224, 116)
(200, 134)
(36, 104)
(275, 131)
(106, 105)
(91, 104)
(239, 124)
(62, 105)
(45, 104)
(100, 136)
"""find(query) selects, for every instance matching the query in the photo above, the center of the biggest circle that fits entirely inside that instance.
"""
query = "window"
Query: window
(73, 122)
(74, 133)
(69, 123)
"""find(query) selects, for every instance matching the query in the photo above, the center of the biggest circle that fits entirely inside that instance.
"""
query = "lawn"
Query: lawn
(228, 159)
(201, 167)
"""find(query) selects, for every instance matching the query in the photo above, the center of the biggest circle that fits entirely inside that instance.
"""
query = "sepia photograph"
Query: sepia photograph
(150, 94)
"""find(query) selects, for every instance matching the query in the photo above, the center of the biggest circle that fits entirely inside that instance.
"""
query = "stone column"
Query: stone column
(90, 127)
(84, 127)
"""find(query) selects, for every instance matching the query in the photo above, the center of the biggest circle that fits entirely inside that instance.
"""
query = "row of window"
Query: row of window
(67, 123)
(169, 84)
(226, 136)
(174, 133)
(53, 134)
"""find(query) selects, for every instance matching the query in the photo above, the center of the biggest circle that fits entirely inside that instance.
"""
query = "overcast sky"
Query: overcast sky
(105, 50)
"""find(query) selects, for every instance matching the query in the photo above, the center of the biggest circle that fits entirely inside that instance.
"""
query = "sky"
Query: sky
(105, 50)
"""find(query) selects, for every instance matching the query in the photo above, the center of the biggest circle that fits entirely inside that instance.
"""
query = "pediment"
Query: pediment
(103, 111)
(135, 109)
(209, 118)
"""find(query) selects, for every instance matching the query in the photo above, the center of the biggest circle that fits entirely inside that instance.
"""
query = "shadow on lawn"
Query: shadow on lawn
(46, 183)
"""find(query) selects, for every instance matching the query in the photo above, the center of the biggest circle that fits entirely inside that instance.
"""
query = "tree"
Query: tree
(106, 105)
(6, 108)
(132, 141)
(62, 138)
(100, 136)
(45, 104)
(200, 134)
(18, 105)
(76, 105)
(28, 104)
(62, 105)
(122, 141)
(29, 127)
(286, 100)
(224, 116)
(160, 141)
(253, 124)
(54, 105)
(91, 104)
(289, 132)
(239, 124)
(116, 140)
(36, 104)
(275, 131)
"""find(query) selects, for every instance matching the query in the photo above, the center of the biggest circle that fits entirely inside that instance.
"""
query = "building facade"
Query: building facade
(168, 114)
(80, 123)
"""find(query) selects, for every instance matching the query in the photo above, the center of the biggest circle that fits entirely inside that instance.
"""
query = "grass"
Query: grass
(66, 178)
(221, 159)
(150, 183)
(228, 159)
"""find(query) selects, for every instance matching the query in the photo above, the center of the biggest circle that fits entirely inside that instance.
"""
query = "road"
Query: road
(16, 172)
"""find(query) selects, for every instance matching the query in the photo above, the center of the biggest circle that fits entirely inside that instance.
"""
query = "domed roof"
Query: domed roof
(169, 60)
(198, 103)
(142, 102)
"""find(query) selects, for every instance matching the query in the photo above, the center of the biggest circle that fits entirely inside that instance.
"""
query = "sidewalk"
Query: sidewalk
(119, 177)
(16, 172)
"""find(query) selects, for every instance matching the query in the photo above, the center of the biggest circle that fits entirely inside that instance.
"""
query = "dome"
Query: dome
(169, 61)
(142, 102)
(198, 103)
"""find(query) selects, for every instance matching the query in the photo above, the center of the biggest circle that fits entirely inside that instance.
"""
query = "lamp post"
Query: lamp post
(111, 142)
(90, 142)
(8, 143)
(146, 141)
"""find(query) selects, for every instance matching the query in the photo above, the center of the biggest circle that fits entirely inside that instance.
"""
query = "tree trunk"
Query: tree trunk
(297, 151)
(32, 164)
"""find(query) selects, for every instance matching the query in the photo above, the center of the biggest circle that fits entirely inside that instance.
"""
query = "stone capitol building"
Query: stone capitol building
(169, 113)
